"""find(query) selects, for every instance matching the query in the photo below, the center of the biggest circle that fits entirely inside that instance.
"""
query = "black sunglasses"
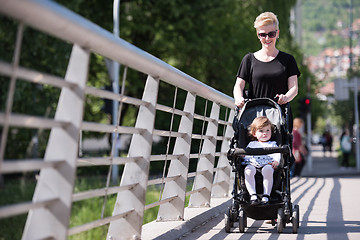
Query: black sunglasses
(271, 34)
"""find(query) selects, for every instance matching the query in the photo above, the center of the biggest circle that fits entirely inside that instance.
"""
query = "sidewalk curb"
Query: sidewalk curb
(190, 225)
(326, 166)
(182, 228)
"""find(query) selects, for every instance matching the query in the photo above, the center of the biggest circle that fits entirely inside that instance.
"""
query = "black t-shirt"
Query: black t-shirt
(266, 79)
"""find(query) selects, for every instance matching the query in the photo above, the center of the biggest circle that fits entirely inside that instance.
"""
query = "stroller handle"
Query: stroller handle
(234, 152)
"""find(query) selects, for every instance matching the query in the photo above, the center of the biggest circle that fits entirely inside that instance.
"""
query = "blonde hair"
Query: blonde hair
(266, 18)
(258, 123)
(298, 122)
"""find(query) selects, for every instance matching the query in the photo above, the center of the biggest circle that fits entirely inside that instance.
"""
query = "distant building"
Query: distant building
(334, 63)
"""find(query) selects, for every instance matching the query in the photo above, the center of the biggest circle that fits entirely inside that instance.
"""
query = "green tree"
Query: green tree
(205, 39)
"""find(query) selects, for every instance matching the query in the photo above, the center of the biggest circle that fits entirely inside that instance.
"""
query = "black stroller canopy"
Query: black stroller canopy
(259, 107)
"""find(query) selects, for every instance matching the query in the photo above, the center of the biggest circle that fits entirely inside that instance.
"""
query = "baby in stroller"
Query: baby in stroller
(261, 167)
(261, 130)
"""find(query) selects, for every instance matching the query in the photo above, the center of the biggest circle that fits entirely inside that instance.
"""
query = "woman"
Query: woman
(345, 146)
(269, 72)
(298, 148)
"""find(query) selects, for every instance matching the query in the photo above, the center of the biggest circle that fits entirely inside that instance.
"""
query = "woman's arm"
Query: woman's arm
(291, 93)
(238, 92)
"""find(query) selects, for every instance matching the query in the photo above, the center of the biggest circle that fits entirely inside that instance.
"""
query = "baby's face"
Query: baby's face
(263, 134)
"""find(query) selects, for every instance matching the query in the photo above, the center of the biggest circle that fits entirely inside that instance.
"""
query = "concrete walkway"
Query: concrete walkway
(326, 165)
(329, 209)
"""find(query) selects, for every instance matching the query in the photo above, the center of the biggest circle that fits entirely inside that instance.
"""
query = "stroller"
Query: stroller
(280, 209)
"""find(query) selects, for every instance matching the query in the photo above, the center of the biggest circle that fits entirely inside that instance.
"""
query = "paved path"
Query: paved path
(326, 166)
(329, 209)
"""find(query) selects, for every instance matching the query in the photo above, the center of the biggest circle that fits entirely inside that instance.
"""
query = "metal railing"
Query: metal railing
(50, 209)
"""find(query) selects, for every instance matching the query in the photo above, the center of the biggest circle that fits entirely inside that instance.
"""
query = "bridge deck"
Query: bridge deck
(194, 217)
(329, 209)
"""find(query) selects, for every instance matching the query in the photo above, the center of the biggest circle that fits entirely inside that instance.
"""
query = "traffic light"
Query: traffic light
(304, 106)
(307, 102)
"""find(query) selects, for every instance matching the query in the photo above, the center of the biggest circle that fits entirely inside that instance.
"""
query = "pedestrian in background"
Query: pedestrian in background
(345, 147)
(298, 149)
(327, 141)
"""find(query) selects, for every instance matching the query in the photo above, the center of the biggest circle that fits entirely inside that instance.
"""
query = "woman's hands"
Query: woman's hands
(291, 93)
(240, 101)
(274, 164)
(283, 99)
(238, 92)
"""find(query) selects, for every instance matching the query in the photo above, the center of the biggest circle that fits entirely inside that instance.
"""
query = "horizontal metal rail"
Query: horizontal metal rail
(21, 208)
(171, 110)
(197, 155)
(221, 138)
(103, 161)
(165, 133)
(199, 136)
(114, 96)
(204, 118)
(218, 154)
(27, 165)
(219, 168)
(225, 123)
(19, 120)
(160, 202)
(163, 157)
(29, 75)
(162, 180)
(97, 223)
(100, 192)
(98, 127)
(193, 174)
(194, 191)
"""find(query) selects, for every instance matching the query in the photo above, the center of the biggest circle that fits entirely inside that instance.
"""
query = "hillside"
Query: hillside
(325, 23)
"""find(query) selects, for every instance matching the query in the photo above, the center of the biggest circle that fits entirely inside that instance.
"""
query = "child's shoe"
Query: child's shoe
(265, 199)
(254, 200)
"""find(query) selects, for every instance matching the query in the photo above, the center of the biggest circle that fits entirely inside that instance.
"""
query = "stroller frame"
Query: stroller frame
(280, 210)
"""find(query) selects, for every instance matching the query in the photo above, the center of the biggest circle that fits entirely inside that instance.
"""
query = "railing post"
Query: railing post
(222, 176)
(52, 221)
(204, 180)
(129, 227)
(174, 210)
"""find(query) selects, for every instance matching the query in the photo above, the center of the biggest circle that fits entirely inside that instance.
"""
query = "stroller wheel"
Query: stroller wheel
(228, 222)
(242, 220)
(280, 220)
(295, 219)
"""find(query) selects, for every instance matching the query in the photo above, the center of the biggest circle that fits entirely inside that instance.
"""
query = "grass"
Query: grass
(21, 189)
(16, 190)
(352, 159)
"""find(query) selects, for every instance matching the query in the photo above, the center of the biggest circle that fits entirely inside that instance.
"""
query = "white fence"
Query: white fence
(50, 209)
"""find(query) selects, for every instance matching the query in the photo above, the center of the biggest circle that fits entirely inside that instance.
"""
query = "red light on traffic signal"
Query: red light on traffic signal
(307, 101)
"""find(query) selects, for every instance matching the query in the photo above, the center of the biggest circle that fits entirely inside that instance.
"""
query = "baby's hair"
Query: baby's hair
(258, 123)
